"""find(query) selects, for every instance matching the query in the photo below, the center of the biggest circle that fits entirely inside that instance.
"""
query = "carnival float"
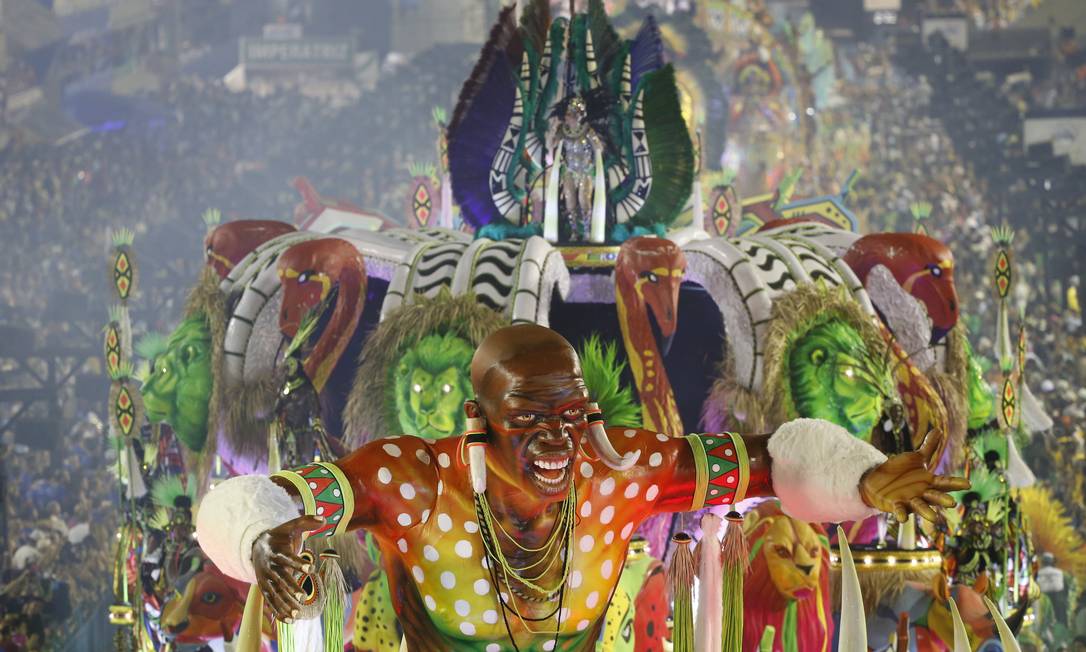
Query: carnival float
(553, 202)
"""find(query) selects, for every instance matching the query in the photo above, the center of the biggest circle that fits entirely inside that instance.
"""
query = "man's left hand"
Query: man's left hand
(903, 484)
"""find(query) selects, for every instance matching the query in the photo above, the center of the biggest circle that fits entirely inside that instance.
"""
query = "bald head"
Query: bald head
(513, 350)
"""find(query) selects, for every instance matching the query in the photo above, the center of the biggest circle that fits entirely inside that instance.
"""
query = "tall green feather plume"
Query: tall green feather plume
(987, 485)
(549, 95)
(579, 51)
(440, 115)
(167, 489)
(535, 19)
(670, 149)
(602, 372)
(989, 440)
(604, 38)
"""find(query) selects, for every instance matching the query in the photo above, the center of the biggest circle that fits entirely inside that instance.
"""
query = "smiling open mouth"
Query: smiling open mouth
(551, 472)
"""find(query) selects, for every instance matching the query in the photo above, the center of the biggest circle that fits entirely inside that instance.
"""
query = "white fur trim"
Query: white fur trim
(817, 466)
(233, 514)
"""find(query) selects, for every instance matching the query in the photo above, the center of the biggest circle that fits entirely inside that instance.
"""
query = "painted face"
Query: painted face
(535, 410)
(793, 555)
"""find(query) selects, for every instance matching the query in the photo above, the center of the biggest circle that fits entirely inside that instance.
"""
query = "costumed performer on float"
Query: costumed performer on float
(513, 536)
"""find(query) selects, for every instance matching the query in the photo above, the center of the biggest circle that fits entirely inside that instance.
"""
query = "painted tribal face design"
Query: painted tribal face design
(534, 404)
(542, 438)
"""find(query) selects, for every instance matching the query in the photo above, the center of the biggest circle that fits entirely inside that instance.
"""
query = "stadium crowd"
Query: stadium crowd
(62, 522)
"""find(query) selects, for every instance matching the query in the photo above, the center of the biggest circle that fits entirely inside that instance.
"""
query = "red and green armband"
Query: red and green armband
(722, 469)
(325, 492)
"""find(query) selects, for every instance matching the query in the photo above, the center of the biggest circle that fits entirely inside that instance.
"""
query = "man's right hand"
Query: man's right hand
(276, 562)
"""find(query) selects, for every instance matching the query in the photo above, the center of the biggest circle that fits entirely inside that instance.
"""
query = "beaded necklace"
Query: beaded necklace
(556, 547)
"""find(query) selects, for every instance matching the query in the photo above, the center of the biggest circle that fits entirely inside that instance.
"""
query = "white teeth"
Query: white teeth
(552, 465)
(555, 481)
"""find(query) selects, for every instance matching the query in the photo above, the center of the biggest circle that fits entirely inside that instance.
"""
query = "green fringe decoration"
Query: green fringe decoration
(681, 574)
(735, 559)
(788, 636)
(335, 588)
(284, 635)
(769, 634)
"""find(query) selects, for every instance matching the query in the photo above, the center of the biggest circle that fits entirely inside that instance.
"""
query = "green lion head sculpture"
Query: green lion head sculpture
(430, 382)
(832, 376)
(178, 384)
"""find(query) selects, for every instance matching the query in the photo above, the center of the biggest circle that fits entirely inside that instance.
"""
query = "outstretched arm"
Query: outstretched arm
(253, 527)
(820, 472)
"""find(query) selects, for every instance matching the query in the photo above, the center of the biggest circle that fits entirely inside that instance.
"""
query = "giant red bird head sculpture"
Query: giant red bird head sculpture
(310, 272)
(653, 269)
(228, 243)
(922, 266)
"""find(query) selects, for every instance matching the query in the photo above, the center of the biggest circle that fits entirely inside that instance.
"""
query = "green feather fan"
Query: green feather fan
(670, 149)
(602, 372)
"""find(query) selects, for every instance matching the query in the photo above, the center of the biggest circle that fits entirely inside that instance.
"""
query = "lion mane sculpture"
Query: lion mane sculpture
(788, 585)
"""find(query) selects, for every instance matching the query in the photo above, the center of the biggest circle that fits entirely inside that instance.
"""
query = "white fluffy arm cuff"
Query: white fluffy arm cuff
(233, 514)
(817, 466)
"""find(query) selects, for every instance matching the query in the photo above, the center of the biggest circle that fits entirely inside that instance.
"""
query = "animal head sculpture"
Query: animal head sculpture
(207, 605)
(652, 268)
(178, 387)
(789, 572)
(313, 273)
(227, 244)
(922, 266)
(431, 383)
(833, 377)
